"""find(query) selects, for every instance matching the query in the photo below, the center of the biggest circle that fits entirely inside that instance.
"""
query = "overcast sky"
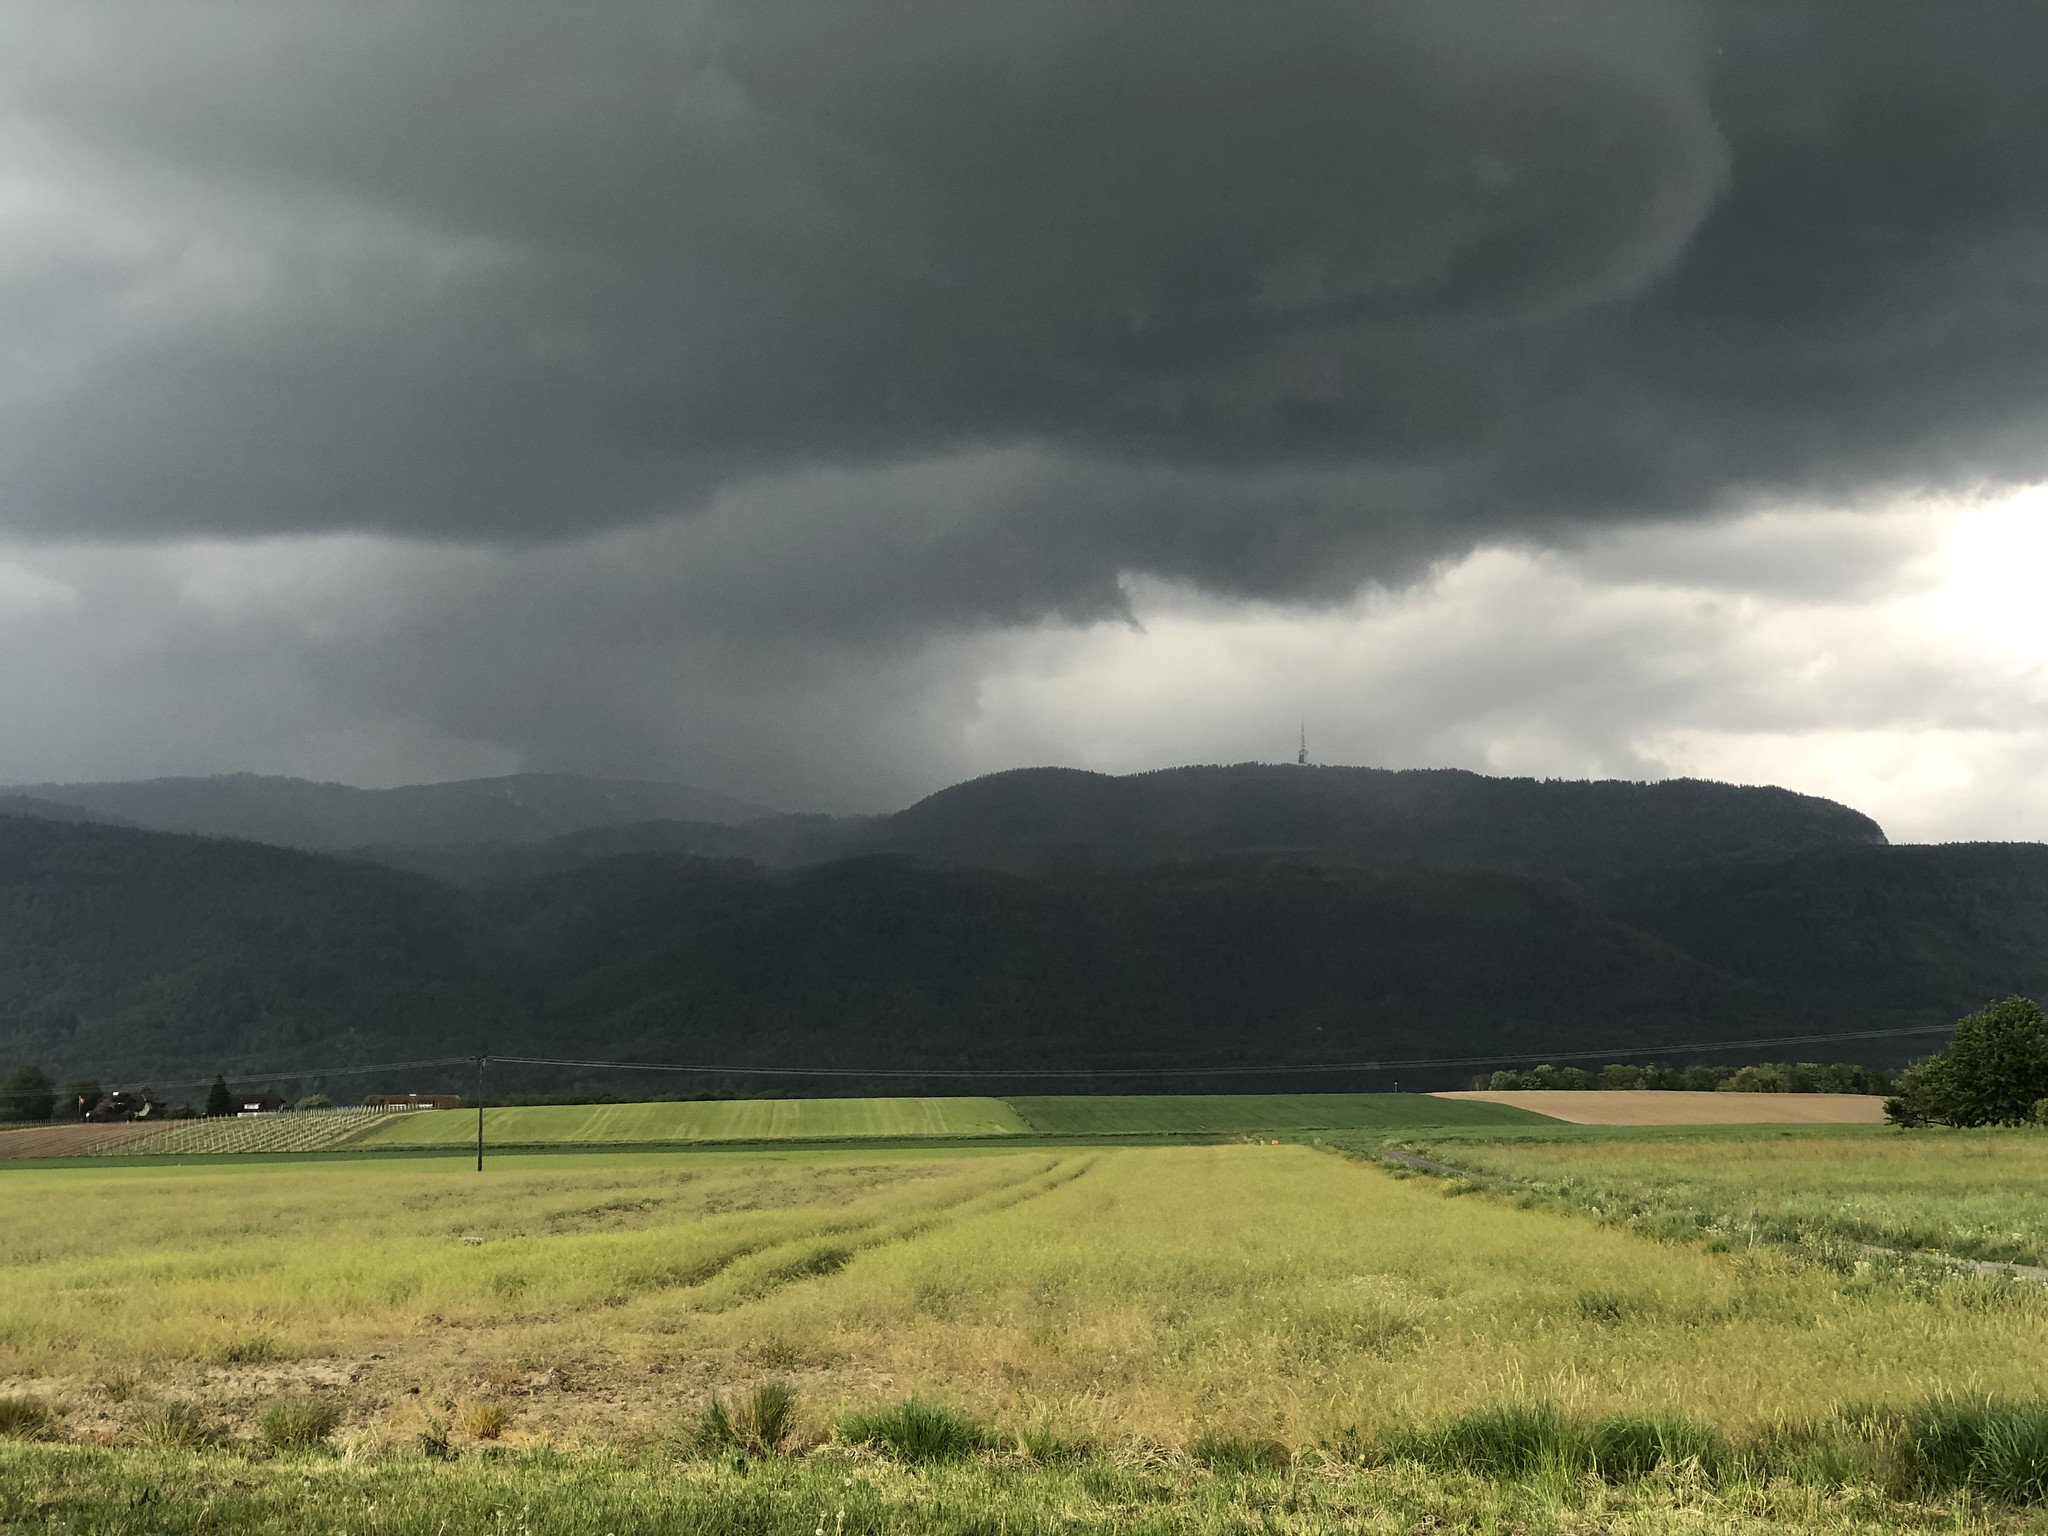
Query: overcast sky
(822, 402)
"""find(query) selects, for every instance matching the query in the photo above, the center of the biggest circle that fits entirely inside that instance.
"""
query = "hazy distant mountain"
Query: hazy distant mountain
(776, 842)
(299, 813)
(1040, 819)
(1203, 917)
(1586, 830)
(54, 810)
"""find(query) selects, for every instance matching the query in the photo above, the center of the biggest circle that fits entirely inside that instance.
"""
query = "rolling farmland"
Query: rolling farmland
(1975, 1194)
(710, 1120)
(1247, 1114)
(1141, 1292)
(310, 1130)
(1672, 1107)
(1209, 1320)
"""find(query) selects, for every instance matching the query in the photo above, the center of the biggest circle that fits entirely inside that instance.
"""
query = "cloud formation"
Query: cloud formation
(1401, 274)
(1888, 659)
(403, 389)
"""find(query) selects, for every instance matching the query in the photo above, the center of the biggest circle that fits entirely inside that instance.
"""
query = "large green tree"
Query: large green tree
(218, 1100)
(28, 1094)
(1993, 1074)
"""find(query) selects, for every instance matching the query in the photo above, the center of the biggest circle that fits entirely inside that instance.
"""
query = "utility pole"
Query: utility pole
(480, 1112)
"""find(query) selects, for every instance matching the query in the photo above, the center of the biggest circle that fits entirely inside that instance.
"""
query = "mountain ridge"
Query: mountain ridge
(1618, 916)
(306, 813)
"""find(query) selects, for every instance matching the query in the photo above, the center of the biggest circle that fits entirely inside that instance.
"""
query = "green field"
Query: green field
(796, 1119)
(1249, 1113)
(710, 1120)
(1007, 1493)
(1973, 1194)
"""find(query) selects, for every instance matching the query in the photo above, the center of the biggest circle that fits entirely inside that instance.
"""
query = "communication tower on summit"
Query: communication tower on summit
(1301, 757)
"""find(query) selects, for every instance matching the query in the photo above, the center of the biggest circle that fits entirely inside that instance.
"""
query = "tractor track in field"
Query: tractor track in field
(2034, 1273)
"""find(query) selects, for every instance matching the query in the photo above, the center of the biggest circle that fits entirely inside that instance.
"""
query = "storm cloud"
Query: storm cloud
(765, 362)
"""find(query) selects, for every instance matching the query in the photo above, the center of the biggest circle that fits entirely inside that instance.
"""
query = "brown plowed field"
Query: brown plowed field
(1654, 1108)
(70, 1140)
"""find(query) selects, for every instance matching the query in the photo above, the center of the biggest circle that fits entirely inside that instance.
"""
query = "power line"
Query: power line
(982, 1074)
(1608, 1053)
(296, 1072)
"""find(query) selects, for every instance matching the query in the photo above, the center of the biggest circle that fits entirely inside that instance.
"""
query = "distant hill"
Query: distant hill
(1588, 831)
(1214, 918)
(124, 951)
(52, 810)
(299, 813)
(1599, 834)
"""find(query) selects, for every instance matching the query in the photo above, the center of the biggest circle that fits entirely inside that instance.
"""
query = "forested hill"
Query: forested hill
(1044, 819)
(299, 813)
(1599, 830)
(126, 953)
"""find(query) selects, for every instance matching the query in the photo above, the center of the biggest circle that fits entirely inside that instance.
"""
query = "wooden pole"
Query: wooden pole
(480, 1112)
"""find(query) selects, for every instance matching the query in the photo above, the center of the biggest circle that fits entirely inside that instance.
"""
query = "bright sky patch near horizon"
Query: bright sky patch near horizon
(825, 402)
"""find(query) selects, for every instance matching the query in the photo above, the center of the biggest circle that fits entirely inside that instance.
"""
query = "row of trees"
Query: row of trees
(1762, 1077)
(28, 1095)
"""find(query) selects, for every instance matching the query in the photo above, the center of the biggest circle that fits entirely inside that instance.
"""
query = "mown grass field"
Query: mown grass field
(1113, 1313)
(711, 1120)
(1974, 1194)
(1156, 1293)
(1249, 1113)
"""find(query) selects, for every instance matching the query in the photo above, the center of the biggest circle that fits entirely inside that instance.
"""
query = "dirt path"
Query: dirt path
(1653, 1108)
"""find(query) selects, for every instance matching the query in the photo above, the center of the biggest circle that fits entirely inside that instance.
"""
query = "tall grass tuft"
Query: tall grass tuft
(917, 1432)
(1628, 1446)
(178, 1427)
(252, 1349)
(760, 1424)
(483, 1418)
(1998, 1449)
(297, 1423)
(26, 1418)
(1229, 1454)
(1514, 1440)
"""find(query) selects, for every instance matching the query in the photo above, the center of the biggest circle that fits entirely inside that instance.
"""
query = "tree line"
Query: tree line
(1760, 1077)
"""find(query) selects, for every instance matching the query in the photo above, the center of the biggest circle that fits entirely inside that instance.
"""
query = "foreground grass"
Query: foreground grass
(1157, 1295)
(1976, 1194)
(710, 1120)
(1250, 1113)
(80, 1491)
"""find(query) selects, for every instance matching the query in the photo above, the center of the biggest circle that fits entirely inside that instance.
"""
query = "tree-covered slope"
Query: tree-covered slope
(1376, 924)
(1601, 834)
(123, 950)
(300, 813)
(1592, 831)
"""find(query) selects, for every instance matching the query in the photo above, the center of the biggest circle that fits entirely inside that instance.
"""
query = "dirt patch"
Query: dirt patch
(1656, 1108)
(72, 1140)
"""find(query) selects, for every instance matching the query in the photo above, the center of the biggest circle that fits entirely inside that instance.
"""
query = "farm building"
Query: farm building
(259, 1104)
(121, 1105)
(412, 1101)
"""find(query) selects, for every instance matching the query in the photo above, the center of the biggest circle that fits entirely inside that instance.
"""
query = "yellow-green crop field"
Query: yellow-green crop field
(711, 1120)
(1128, 1293)
(1972, 1194)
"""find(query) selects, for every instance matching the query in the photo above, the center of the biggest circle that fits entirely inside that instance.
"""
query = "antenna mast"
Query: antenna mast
(1302, 756)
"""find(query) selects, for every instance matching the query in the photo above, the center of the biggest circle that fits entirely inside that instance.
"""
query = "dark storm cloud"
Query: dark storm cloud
(1271, 297)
